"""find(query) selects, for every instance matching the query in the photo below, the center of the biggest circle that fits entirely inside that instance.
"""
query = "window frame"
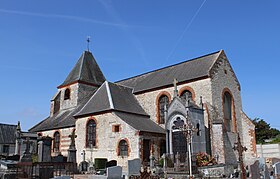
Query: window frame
(91, 136)
(123, 148)
(67, 94)
(56, 143)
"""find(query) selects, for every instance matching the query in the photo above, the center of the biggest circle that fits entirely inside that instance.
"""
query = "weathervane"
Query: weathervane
(88, 41)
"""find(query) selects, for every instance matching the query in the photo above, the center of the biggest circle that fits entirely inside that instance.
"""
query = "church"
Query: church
(145, 114)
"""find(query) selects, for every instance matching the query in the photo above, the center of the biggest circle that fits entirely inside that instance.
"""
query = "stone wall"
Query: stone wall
(224, 80)
(107, 140)
(64, 138)
(73, 101)
(268, 150)
(148, 100)
(249, 139)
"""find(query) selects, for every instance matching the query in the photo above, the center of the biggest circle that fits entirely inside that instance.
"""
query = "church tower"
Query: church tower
(80, 84)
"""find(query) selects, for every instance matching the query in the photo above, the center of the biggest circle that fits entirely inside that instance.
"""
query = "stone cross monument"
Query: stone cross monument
(72, 148)
(27, 155)
(240, 149)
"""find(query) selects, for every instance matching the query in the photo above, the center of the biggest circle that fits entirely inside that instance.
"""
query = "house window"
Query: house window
(227, 110)
(123, 148)
(116, 128)
(186, 96)
(163, 103)
(91, 134)
(67, 94)
(5, 149)
(56, 141)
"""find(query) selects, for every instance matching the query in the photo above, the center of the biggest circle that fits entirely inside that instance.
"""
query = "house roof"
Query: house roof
(188, 70)
(111, 96)
(86, 70)
(7, 134)
(141, 123)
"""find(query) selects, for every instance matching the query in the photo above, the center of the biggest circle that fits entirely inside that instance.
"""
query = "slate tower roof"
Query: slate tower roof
(86, 71)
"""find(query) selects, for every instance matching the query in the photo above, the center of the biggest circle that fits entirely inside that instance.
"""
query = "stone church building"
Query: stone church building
(133, 117)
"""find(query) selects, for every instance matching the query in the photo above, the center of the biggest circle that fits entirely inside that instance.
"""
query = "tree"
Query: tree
(264, 131)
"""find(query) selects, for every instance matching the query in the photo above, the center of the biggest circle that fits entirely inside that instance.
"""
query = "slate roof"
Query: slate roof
(7, 134)
(86, 70)
(141, 123)
(185, 71)
(61, 119)
(111, 96)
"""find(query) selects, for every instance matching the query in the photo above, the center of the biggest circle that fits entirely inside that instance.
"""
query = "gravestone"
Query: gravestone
(134, 167)
(58, 158)
(277, 169)
(255, 170)
(27, 157)
(114, 172)
(111, 163)
(100, 163)
(83, 166)
(44, 149)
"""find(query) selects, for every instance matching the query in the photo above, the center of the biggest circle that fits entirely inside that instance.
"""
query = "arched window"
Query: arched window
(227, 110)
(91, 134)
(67, 94)
(163, 102)
(198, 129)
(56, 141)
(123, 148)
(185, 96)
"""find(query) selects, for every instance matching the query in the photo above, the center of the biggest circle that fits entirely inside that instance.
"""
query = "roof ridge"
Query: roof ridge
(220, 52)
(109, 95)
(82, 64)
(192, 59)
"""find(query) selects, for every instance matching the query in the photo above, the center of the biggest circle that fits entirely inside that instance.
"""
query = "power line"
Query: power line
(183, 33)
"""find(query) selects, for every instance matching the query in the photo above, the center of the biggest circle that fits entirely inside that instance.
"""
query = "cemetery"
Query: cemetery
(37, 162)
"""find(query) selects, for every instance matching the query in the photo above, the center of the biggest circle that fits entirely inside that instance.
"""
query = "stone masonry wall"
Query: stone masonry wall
(202, 88)
(249, 139)
(73, 101)
(107, 140)
(223, 79)
(64, 139)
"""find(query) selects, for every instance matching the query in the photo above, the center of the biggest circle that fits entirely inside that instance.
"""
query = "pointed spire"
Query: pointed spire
(86, 71)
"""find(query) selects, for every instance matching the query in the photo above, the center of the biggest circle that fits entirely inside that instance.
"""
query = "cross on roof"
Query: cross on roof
(88, 41)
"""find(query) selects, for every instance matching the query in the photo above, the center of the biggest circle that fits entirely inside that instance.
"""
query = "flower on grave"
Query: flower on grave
(203, 159)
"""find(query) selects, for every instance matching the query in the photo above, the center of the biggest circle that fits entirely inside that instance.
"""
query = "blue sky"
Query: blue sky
(40, 41)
